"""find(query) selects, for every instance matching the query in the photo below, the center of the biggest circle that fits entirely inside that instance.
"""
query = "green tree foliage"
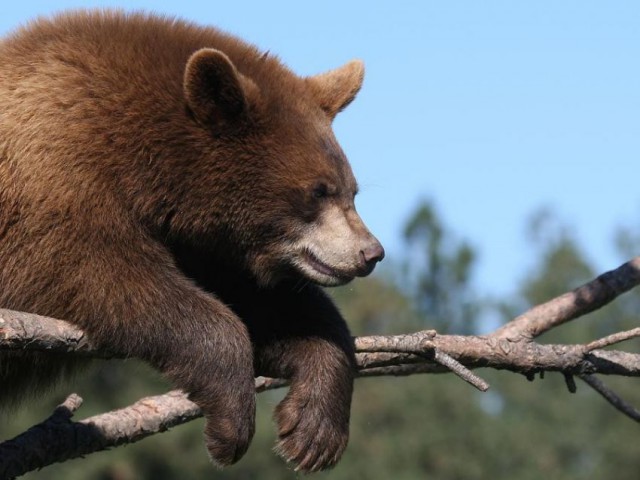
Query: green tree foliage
(440, 268)
(425, 426)
(569, 435)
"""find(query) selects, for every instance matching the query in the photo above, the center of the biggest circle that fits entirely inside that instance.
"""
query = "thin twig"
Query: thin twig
(613, 339)
(67, 408)
(461, 371)
(570, 382)
(611, 397)
(401, 370)
(266, 383)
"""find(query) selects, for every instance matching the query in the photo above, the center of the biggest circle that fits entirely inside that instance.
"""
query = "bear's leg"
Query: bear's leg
(199, 344)
(211, 359)
(306, 340)
(130, 299)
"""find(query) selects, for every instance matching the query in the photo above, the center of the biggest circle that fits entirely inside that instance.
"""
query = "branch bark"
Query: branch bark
(511, 347)
(58, 438)
(574, 304)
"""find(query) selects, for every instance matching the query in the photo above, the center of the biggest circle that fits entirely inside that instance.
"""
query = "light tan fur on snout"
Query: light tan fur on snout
(329, 251)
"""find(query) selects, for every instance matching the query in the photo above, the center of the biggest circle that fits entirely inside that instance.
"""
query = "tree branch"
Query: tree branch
(611, 397)
(58, 438)
(27, 331)
(510, 347)
(522, 357)
(585, 299)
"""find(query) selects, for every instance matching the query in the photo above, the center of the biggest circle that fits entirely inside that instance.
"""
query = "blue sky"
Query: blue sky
(490, 108)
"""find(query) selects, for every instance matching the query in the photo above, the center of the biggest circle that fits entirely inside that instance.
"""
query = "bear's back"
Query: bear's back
(110, 44)
(95, 95)
(84, 74)
(55, 74)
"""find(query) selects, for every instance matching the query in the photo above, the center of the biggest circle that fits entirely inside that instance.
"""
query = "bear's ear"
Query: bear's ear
(213, 87)
(336, 89)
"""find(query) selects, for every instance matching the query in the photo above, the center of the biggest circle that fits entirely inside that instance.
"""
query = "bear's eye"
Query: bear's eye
(320, 191)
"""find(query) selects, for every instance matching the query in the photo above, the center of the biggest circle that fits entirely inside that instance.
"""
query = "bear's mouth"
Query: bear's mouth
(322, 272)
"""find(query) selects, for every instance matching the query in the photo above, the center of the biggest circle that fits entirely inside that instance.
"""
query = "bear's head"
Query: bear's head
(284, 198)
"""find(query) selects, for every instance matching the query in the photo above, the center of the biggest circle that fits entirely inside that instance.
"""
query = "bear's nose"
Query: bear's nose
(373, 253)
(370, 255)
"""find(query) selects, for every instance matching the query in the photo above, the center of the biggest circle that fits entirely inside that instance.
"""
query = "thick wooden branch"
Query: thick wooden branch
(27, 331)
(510, 348)
(522, 357)
(33, 332)
(58, 438)
(585, 299)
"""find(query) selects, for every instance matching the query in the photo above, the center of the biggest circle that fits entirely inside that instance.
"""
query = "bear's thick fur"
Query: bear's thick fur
(179, 195)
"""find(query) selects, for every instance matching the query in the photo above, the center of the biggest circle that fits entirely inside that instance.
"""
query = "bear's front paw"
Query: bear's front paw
(228, 431)
(312, 431)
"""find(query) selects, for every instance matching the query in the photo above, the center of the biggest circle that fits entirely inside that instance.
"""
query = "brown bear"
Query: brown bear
(181, 197)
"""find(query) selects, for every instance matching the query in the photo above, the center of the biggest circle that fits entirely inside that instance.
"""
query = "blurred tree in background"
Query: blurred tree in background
(425, 426)
(440, 268)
